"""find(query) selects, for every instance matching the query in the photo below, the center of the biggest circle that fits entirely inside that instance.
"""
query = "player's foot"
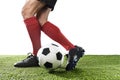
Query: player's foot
(73, 57)
(30, 61)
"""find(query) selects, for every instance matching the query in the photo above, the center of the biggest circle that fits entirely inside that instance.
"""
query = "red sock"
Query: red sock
(54, 33)
(34, 31)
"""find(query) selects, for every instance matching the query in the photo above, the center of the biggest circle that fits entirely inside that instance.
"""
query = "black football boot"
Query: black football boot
(30, 61)
(73, 57)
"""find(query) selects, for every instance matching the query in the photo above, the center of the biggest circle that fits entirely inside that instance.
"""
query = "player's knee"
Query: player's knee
(26, 13)
(43, 18)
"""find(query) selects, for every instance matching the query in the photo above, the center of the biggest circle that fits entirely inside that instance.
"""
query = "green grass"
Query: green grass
(90, 67)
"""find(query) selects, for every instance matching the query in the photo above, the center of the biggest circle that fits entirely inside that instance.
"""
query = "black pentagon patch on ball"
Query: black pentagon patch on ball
(46, 51)
(59, 56)
(48, 65)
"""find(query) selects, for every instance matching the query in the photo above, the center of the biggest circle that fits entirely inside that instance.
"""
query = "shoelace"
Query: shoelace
(29, 55)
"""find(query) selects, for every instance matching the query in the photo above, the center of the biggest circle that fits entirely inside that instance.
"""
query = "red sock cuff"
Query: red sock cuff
(31, 21)
(47, 23)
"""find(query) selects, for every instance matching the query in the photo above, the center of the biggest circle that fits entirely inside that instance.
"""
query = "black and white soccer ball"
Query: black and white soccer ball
(50, 56)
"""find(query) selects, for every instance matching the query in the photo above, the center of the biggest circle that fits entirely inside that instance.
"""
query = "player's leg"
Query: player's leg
(54, 33)
(32, 24)
(75, 52)
(50, 29)
(28, 12)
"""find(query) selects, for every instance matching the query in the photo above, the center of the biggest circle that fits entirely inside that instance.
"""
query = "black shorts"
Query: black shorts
(49, 3)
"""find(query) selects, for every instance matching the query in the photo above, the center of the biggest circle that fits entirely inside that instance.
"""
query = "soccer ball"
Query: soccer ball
(50, 56)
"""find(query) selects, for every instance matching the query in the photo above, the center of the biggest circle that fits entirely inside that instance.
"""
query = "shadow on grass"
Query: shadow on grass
(76, 73)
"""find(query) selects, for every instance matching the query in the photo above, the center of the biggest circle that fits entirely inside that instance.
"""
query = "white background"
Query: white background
(92, 24)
